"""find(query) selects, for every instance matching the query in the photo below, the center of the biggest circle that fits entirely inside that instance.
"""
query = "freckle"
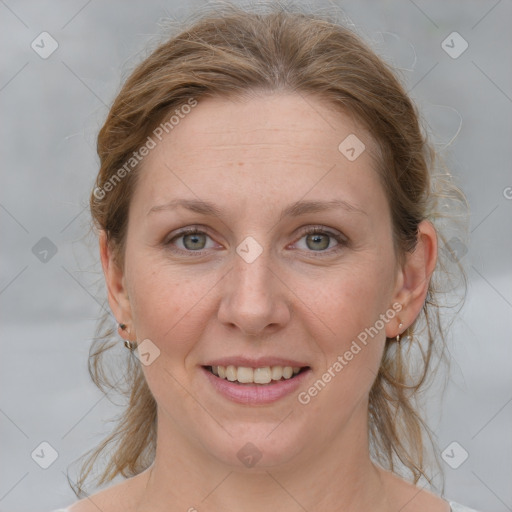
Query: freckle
(240, 163)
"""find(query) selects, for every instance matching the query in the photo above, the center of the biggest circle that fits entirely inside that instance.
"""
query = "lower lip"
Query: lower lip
(255, 394)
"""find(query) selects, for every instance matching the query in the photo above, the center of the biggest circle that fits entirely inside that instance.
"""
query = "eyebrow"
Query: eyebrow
(293, 210)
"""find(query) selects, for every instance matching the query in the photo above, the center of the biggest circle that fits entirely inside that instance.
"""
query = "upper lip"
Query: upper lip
(259, 362)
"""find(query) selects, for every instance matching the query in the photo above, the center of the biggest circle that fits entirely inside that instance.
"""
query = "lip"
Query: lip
(259, 362)
(255, 394)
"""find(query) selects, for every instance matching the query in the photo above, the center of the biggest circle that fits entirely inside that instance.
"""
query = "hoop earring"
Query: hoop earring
(127, 343)
(130, 345)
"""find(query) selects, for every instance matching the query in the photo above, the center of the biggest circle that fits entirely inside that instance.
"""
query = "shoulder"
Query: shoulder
(121, 497)
(106, 500)
(407, 497)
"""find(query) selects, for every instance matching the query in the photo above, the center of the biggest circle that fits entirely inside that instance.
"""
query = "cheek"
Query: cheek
(168, 302)
(167, 310)
(352, 350)
(355, 297)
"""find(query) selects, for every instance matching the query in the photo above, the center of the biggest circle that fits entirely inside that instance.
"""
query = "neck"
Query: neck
(340, 476)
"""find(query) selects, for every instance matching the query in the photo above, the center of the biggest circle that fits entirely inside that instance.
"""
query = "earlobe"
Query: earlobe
(414, 276)
(114, 280)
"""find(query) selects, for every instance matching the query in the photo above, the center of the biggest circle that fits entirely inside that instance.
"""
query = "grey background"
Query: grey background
(51, 111)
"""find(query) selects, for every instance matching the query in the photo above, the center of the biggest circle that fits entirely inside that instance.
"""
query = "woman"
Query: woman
(264, 209)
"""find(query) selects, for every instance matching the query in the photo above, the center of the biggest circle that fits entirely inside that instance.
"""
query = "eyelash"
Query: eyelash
(194, 230)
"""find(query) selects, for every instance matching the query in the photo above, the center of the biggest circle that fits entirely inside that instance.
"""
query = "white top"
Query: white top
(455, 507)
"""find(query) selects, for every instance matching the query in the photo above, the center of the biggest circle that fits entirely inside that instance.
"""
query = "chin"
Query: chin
(255, 447)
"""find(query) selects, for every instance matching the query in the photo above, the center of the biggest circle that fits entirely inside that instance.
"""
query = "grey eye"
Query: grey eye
(194, 241)
(318, 241)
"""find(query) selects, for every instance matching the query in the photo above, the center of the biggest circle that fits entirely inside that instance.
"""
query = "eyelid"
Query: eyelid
(318, 228)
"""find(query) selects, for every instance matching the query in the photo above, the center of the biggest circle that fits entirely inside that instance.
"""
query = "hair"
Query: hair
(231, 52)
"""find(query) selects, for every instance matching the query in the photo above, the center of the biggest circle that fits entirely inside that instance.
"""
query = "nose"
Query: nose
(254, 300)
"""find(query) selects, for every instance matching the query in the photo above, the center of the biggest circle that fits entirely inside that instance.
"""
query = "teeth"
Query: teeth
(262, 375)
(277, 372)
(246, 375)
(231, 373)
(287, 372)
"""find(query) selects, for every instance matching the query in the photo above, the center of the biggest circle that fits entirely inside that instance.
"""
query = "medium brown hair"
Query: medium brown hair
(232, 51)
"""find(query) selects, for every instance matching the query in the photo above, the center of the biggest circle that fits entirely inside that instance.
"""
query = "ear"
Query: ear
(413, 279)
(116, 287)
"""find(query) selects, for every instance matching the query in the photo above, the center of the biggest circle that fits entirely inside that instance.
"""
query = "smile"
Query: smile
(260, 385)
(261, 375)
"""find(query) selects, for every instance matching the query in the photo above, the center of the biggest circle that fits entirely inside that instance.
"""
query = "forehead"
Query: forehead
(254, 147)
(305, 121)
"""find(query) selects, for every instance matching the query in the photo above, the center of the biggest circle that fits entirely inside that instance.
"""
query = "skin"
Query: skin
(252, 158)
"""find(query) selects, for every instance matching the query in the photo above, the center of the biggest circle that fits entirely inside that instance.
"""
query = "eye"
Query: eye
(190, 239)
(319, 239)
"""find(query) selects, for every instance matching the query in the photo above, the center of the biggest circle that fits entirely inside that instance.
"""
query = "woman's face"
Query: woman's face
(252, 288)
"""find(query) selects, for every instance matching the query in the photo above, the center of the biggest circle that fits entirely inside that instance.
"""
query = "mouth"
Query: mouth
(263, 376)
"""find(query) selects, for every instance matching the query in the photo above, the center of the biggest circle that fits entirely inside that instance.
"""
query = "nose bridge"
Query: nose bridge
(253, 278)
(253, 298)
